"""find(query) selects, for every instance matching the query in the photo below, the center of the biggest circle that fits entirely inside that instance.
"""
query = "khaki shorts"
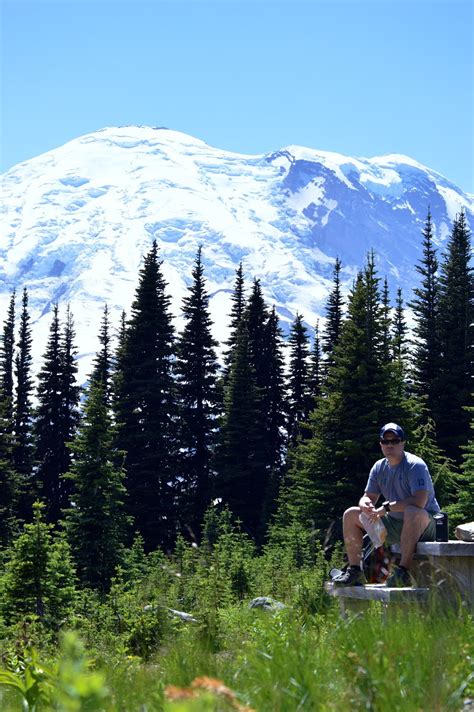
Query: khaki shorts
(394, 529)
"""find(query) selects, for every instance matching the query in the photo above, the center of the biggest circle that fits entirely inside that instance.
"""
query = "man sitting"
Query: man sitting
(406, 486)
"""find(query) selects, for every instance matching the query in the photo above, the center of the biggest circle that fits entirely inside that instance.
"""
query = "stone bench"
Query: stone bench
(354, 598)
(440, 568)
(445, 565)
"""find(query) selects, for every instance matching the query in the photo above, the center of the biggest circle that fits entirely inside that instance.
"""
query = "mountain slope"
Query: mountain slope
(77, 220)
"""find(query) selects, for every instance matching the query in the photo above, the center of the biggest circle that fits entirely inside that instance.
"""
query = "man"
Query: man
(406, 513)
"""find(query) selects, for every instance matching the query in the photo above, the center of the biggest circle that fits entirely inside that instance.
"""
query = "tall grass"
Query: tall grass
(407, 660)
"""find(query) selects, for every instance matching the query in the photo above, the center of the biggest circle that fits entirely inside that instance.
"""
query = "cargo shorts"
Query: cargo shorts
(394, 529)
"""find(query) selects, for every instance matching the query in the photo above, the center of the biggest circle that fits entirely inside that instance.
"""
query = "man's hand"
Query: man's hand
(366, 505)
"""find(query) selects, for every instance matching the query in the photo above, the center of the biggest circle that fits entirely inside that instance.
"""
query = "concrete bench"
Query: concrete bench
(447, 566)
(354, 599)
(443, 569)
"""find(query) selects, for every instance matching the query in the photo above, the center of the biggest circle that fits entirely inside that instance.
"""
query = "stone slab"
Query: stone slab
(378, 592)
(441, 548)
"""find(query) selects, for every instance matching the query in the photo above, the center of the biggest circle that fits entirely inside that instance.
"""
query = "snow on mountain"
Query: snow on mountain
(77, 220)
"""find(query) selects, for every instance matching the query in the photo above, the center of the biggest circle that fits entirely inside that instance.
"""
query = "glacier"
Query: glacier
(77, 220)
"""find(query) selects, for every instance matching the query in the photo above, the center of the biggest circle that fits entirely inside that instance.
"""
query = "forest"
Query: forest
(141, 513)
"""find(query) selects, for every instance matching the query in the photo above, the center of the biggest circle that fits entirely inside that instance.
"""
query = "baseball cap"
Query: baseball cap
(394, 428)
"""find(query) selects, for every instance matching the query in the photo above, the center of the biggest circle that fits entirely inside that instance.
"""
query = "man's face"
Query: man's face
(392, 446)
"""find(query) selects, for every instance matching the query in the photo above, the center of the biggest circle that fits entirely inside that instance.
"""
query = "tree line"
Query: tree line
(163, 430)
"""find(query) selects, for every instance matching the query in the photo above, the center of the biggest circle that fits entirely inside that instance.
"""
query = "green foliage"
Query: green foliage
(425, 306)
(97, 523)
(146, 409)
(198, 397)
(300, 401)
(56, 415)
(67, 684)
(456, 330)
(39, 577)
(23, 412)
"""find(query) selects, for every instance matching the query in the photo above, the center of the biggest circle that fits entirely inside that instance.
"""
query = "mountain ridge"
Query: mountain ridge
(77, 221)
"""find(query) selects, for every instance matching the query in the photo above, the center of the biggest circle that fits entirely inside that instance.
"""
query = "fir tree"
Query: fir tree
(299, 399)
(425, 306)
(96, 523)
(7, 348)
(386, 324)
(456, 332)
(69, 398)
(23, 453)
(197, 370)
(315, 380)
(146, 407)
(8, 479)
(236, 314)
(462, 510)
(329, 471)
(39, 577)
(242, 477)
(334, 309)
(50, 445)
(272, 405)
(399, 342)
(103, 361)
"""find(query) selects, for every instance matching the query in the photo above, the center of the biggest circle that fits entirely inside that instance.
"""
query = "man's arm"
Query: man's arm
(418, 499)
(367, 502)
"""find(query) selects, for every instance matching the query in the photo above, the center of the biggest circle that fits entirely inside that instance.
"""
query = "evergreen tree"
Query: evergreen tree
(7, 345)
(315, 381)
(329, 471)
(96, 523)
(334, 315)
(242, 477)
(196, 370)
(462, 509)
(399, 331)
(23, 453)
(103, 362)
(456, 331)
(69, 398)
(399, 353)
(146, 408)
(299, 399)
(425, 306)
(386, 324)
(236, 314)
(39, 577)
(272, 405)
(8, 479)
(57, 415)
(50, 445)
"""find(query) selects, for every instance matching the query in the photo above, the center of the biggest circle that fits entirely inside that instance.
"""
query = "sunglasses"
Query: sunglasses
(390, 441)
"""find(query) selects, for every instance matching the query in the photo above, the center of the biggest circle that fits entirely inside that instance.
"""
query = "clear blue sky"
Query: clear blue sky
(362, 78)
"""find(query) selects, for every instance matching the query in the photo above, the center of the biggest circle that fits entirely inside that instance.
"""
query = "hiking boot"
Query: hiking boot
(400, 578)
(353, 576)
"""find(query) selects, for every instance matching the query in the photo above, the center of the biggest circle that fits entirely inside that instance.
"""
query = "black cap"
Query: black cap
(394, 428)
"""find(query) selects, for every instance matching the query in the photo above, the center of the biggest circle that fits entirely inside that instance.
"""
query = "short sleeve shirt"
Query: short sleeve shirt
(401, 481)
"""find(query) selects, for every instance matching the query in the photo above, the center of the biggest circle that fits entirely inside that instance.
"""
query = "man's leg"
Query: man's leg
(415, 521)
(353, 535)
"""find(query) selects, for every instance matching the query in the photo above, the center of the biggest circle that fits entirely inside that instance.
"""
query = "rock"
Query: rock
(179, 614)
(465, 532)
(184, 616)
(267, 603)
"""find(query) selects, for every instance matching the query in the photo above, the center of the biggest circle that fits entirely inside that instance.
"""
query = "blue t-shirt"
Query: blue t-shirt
(401, 481)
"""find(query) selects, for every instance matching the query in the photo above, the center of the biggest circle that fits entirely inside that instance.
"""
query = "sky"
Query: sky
(362, 78)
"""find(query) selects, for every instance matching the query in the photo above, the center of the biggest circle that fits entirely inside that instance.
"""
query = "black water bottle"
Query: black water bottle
(441, 521)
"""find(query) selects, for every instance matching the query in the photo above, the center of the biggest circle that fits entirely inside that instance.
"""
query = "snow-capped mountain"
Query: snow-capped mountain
(77, 221)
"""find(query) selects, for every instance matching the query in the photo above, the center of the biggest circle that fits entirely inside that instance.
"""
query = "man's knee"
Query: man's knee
(415, 514)
(352, 514)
